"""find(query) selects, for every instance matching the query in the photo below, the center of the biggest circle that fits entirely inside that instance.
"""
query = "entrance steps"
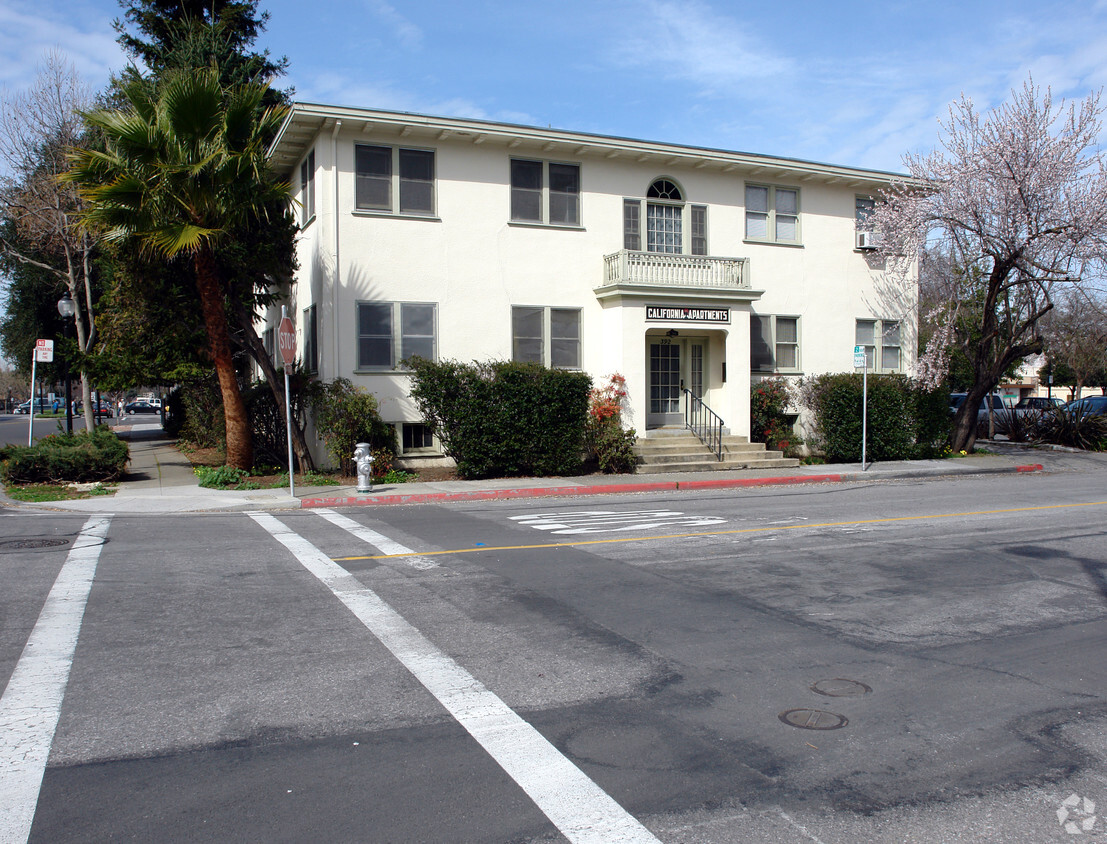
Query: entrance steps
(679, 450)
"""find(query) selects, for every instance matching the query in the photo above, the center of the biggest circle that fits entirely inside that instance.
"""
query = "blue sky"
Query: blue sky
(846, 83)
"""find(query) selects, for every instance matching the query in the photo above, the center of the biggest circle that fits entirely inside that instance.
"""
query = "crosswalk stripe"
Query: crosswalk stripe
(31, 703)
(579, 808)
(379, 541)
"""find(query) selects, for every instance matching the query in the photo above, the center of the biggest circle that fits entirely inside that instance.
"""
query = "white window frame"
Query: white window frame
(307, 189)
(773, 341)
(311, 339)
(863, 208)
(547, 336)
(545, 192)
(771, 214)
(396, 339)
(393, 207)
(636, 237)
(875, 351)
(433, 448)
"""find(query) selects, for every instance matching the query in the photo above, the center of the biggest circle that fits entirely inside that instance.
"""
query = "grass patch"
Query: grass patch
(56, 492)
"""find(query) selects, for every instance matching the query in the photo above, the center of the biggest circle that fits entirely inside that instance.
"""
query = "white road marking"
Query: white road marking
(31, 703)
(607, 521)
(578, 807)
(378, 540)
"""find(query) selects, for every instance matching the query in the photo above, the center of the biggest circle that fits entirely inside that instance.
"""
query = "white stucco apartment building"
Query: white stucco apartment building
(680, 268)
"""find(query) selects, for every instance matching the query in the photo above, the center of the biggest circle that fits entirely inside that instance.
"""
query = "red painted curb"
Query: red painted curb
(733, 483)
(598, 489)
(487, 495)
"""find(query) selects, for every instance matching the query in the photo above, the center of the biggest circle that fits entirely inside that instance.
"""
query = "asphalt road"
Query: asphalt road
(257, 677)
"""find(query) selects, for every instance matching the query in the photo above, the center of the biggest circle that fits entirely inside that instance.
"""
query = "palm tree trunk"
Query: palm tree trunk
(240, 451)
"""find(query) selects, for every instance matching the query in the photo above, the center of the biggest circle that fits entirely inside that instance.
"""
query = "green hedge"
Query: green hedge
(503, 419)
(904, 421)
(80, 457)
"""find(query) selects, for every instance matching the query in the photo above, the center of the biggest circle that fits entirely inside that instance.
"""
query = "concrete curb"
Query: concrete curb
(626, 488)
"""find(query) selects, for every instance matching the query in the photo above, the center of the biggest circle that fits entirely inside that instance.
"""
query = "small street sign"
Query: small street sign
(858, 357)
(44, 351)
(286, 341)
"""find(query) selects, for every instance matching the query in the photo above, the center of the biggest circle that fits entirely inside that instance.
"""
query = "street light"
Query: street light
(68, 309)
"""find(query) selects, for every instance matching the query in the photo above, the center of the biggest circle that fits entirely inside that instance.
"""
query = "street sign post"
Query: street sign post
(860, 359)
(286, 342)
(44, 351)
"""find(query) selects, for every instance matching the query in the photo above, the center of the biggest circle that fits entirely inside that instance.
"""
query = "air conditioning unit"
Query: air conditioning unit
(868, 240)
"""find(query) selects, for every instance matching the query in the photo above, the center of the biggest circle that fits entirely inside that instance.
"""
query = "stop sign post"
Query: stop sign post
(286, 342)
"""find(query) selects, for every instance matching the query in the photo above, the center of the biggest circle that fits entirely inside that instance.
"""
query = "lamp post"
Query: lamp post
(67, 308)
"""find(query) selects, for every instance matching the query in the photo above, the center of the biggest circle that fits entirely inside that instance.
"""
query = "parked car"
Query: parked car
(102, 411)
(1000, 410)
(1038, 403)
(1088, 406)
(41, 405)
(134, 407)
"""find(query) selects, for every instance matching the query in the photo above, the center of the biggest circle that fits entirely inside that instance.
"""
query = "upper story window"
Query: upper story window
(545, 192)
(772, 214)
(862, 210)
(880, 337)
(394, 180)
(307, 189)
(668, 217)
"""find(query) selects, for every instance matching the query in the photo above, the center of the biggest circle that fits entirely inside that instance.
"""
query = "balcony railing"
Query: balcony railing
(660, 269)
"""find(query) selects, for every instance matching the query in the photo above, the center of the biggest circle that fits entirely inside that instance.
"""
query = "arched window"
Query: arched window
(664, 217)
(665, 221)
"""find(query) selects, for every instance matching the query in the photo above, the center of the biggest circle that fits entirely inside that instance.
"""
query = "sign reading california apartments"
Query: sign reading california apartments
(659, 313)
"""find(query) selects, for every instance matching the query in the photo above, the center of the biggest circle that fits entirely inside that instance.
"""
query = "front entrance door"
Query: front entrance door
(665, 383)
(675, 363)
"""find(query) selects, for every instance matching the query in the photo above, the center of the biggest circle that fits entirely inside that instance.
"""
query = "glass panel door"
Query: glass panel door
(665, 383)
(695, 375)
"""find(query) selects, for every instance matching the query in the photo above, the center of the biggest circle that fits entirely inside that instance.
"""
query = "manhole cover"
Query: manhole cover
(25, 544)
(813, 719)
(840, 688)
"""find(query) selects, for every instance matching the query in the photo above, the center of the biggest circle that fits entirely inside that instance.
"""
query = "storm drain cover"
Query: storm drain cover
(813, 719)
(840, 688)
(26, 544)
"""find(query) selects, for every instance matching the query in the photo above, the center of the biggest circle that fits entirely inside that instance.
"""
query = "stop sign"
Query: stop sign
(286, 341)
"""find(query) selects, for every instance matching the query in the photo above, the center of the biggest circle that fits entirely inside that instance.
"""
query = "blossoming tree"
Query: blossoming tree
(1016, 199)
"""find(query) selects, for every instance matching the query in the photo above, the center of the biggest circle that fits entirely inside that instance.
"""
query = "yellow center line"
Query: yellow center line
(767, 529)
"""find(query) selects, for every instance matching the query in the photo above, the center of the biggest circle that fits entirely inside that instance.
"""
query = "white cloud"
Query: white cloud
(690, 41)
(27, 36)
(409, 35)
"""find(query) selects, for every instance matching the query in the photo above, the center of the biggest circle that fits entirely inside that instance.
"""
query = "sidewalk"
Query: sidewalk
(160, 480)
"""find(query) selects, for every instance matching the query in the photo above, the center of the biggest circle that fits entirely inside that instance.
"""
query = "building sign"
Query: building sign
(659, 313)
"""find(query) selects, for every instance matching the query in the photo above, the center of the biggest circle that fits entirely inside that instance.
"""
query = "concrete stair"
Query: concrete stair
(679, 450)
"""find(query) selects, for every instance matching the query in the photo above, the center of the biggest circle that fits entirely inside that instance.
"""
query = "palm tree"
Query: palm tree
(182, 165)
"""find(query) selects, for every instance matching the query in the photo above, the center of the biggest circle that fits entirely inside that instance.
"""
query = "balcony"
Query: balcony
(626, 271)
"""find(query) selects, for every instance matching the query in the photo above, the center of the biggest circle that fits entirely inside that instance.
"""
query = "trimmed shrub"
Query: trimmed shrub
(904, 421)
(81, 457)
(346, 415)
(504, 419)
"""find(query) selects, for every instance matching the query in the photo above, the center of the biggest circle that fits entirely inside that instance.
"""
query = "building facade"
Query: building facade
(689, 271)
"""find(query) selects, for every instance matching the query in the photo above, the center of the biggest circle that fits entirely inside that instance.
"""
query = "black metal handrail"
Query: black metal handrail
(704, 422)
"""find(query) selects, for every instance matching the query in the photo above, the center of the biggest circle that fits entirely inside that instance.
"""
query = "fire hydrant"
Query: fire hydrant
(364, 461)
